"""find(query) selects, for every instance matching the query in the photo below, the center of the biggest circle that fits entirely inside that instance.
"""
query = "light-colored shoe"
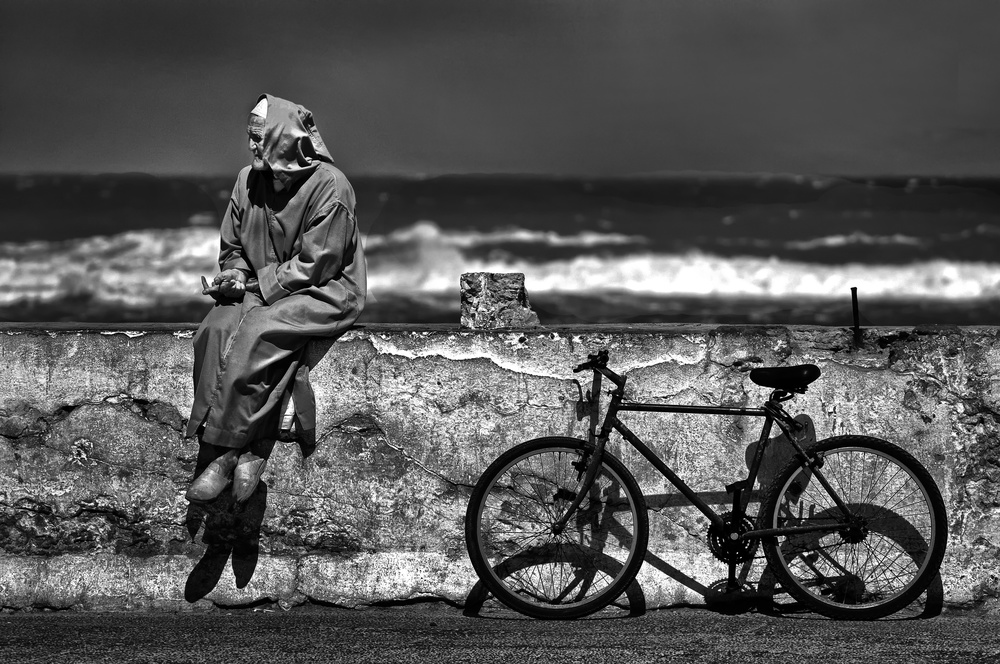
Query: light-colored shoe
(213, 479)
(247, 475)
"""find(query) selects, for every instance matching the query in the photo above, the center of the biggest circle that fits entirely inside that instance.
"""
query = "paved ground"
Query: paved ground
(436, 633)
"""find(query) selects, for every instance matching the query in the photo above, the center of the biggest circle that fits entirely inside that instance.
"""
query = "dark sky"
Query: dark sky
(581, 87)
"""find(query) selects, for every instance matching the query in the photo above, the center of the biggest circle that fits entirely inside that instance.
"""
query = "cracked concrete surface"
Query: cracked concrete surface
(93, 464)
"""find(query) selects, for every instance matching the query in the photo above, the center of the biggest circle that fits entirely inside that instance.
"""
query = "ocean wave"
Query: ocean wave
(131, 269)
(988, 231)
(856, 238)
(138, 268)
(426, 231)
(861, 239)
(704, 275)
(838, 242)
(433, 262)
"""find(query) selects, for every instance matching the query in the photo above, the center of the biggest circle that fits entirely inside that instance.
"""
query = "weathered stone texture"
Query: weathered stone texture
(93, 464)
(493, 301)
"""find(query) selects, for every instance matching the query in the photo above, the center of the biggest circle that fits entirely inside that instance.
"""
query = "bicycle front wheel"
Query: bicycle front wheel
(533, 570)
(874, 562)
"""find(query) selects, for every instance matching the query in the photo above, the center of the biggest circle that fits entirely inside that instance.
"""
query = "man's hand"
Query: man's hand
(228, 284)
(231, 283)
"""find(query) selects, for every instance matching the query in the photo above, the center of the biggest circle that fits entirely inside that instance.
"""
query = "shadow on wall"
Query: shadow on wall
(230, 530)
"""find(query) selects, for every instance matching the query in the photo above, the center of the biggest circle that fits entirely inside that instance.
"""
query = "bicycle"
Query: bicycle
(853, 527)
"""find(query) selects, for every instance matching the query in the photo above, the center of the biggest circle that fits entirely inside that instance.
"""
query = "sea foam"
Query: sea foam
(138, 268)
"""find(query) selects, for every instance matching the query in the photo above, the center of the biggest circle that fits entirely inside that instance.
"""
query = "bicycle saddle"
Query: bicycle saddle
(790, 379)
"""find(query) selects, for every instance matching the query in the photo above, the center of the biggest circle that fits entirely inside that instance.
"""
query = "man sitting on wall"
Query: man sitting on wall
(291, 269)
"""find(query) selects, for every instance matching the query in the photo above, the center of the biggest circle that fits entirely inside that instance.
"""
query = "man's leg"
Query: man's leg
(258, 362)
(257, 367)
(210, 343)
(214, 336)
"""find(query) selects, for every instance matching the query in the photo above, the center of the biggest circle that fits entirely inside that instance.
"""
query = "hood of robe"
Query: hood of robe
(292, 145)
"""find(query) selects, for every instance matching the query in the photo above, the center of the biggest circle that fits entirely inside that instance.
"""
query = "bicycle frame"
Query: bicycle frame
(772, 412)
(613, 423)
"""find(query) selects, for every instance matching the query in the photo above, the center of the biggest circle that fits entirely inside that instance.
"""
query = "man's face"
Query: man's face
(255, 132)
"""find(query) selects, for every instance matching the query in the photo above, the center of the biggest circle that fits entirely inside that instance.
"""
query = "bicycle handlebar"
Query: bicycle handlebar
(599, 362)
(594, 360)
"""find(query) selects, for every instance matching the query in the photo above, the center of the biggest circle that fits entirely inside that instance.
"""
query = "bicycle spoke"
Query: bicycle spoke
(576, 567)
(879, 555)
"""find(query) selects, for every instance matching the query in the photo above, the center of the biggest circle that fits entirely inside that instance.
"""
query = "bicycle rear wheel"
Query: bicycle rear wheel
(523, 563)
(873, 565)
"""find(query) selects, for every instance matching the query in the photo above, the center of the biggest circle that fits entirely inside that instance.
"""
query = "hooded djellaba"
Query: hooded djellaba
(292, 269)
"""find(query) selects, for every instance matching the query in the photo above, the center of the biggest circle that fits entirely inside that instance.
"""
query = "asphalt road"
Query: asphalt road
(437, 633)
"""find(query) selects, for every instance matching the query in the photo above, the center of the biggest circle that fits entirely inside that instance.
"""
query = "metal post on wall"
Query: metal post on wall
(857, 317)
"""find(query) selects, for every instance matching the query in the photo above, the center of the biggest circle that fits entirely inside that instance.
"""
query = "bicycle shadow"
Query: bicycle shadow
(765, 596)
(635, 600)
(229, 530)
(890, 535)
(764, 593)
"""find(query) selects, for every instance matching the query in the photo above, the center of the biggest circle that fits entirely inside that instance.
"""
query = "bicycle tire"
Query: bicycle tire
(508, 530)
(875, 567)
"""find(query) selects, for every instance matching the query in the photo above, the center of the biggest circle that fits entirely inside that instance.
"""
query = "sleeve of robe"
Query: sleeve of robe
(231, 249)
(326, 241)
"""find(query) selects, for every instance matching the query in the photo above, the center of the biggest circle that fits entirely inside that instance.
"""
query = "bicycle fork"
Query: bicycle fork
(592, 461)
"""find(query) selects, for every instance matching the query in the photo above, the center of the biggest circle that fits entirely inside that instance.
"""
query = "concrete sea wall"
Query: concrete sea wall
(93, 463)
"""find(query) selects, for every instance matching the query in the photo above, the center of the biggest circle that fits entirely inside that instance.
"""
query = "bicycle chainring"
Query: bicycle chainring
(727, 549)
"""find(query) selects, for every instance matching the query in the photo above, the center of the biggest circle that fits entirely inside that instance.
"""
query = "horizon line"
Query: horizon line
(653, 175)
